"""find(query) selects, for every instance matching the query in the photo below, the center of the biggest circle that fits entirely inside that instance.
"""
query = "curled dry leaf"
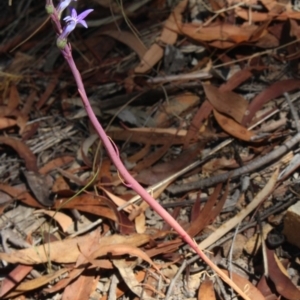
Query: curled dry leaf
(274, 91)
(62, 219)
(226, 102)
(23, 151)
(85, 148)
(233, 128)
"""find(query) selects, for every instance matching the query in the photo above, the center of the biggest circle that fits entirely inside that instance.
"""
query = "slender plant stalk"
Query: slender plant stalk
(130, 181)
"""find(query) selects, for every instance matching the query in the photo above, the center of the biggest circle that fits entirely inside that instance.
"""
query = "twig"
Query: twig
(277, 208)
(231, 223)
(231, 253)
(175, 279)
(252, 166)
(293, 111)
(197, 163)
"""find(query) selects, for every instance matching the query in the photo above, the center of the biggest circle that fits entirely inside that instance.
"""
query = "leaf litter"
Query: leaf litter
(177, 84)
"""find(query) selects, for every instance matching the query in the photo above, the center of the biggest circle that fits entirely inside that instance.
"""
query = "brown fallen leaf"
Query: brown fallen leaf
(206, 290)
(272, 92)
(128, 275)
(35, 283)
(81, 265)
(168, 37)
(97, 205)
(62, 219)
(238, 78)
(265, 289)
(174, 107)
(204, 216)
(23, 151)
(81, 287)
(198, 120)
(242, 282)
(162, 170)
(68, 250)
(152, 157)
(39, 186)
(224, 32)
(255, 16)
(233, 128)
(123, 249)
(56, 163)
(14, 97)
(283, 284)
(7, 122)
(14, 278)
(226, 102)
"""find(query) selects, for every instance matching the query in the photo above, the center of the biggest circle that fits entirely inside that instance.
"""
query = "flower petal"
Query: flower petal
(67, 19)
(84, 14)
(83, 23)
(74, 13)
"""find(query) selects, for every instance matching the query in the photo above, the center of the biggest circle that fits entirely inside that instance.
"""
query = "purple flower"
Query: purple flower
(72, 21)
(62, 6)
(78, 19)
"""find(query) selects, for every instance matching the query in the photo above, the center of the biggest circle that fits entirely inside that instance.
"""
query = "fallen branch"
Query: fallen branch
(252, 166)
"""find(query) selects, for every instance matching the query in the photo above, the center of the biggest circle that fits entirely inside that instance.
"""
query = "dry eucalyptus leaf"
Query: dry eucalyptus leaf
(68, 250)
(39, 187)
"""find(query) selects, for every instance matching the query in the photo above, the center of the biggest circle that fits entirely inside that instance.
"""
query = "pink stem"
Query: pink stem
(133, 183)
(67, 53)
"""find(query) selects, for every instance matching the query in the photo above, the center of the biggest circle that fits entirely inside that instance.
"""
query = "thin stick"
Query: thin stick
(293, 111)
(254, 165)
